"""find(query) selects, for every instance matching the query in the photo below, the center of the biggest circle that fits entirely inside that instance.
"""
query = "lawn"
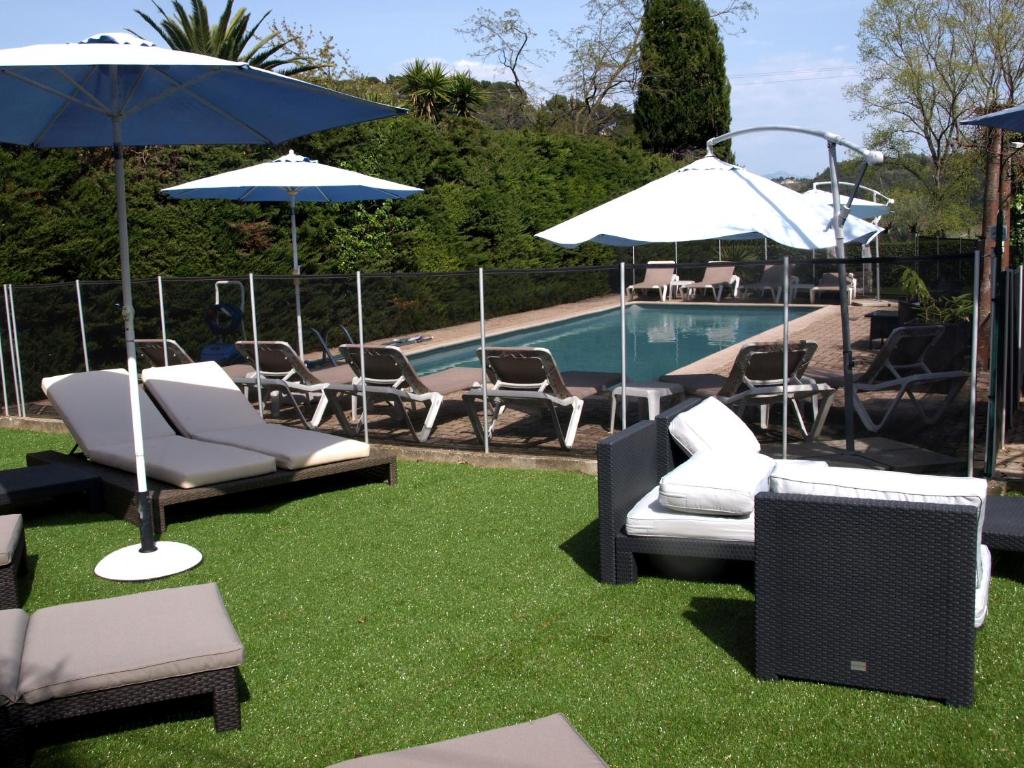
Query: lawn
(462, 599)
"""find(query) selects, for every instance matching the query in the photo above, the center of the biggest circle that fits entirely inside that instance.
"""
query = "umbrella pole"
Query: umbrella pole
(844, 299)
(295, 273)
(149, 561)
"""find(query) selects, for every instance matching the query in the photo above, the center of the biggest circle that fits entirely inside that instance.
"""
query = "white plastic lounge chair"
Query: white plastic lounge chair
(771, 282)
(390, 377)
(717, 278)
(756, 380)
(282, 369)
(901, 366)
(527, 378)
(152, 353)
(203, 403)
(660, 276)
(828, 284)
(94, 405)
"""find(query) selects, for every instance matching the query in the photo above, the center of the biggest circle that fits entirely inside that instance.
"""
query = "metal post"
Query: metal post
(256, 343)
(362, 357)
(3, 378)
(483, 362)
(976, 297)
(163, 317)
(81, 323)
(785, 355)
(844, 298)
(295, 274)
(10, 349)
(22, 410)
(622, 335)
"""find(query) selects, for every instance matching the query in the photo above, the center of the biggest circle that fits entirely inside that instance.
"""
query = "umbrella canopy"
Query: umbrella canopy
(115, 89)
(862, 209)
(1011, 119)
(292, 178)
(708, 199)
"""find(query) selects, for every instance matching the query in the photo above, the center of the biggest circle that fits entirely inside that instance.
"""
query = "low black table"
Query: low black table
(42, 482)
(883, 322)
(1004, 523)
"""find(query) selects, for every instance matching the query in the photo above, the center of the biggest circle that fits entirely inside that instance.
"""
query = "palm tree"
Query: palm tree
(428, 88)
(466, 94)
(191, 31)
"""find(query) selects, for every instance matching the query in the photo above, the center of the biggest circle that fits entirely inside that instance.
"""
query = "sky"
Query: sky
(788, 68)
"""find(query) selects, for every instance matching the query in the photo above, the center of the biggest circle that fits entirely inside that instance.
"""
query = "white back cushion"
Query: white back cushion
(716, 483)
(711, 425)
(199, 397)
(94, 405)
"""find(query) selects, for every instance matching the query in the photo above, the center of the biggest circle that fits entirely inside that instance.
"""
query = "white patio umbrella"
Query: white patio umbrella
(709, 199)
(292, 178)
(863, 209)
(116, 89)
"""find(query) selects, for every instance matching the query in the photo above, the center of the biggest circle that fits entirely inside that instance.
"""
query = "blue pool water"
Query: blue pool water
(659, 339)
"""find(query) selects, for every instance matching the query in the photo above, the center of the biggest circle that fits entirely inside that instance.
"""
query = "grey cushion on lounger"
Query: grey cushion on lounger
(94, 405)
(13, 625)
(10, 537)
(103, 644)
(550, 742)
(205, 404)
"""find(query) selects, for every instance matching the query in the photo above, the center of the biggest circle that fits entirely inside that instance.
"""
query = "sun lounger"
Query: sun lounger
(659, 276)
(771, 282)
(12, 559)
(756, 380)
(281, 368)
(827, 285)
(102, 655)
(94, 406)
(152, 353)
(717, 279)
(391, 377)
(901, 366)
(203, 403)
(550, 742)
(527, 378)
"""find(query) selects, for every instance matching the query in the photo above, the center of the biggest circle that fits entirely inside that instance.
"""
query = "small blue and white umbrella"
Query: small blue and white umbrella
(292, 178)
(116, 90)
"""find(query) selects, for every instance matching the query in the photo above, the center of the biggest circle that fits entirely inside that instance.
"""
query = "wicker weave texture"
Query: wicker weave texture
(871, 594)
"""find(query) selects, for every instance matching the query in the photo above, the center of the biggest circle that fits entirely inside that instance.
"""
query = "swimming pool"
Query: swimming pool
(659, 339)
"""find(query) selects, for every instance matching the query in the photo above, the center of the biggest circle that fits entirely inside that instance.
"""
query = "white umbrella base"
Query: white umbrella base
(130, 564)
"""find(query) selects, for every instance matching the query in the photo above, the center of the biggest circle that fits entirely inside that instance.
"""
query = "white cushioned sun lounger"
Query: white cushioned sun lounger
(94, 405)
(203, 403)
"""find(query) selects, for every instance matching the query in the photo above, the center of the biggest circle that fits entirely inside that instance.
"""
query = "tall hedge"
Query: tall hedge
(683, 96)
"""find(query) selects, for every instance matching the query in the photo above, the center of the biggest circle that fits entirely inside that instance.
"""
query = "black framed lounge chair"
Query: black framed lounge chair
(772, 282)
(82, 658)
(550, 742)
(152, 353)
(717, 279)
(282, 370)
(901, 366)
(203, 403)
(94, 406)
(659, 277)
(528, 378)
(755, 379)
(13, 559)
(391, 378)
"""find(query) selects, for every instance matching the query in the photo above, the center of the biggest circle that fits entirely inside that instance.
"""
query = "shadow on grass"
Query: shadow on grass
(583, 548)
(1008, 565)
(728, 623)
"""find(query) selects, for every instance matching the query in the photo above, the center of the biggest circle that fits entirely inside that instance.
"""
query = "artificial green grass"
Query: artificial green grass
(462, 599)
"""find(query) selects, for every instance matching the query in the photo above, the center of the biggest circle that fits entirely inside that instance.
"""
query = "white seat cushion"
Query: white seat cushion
(290, 447)
(187, 463)
(711, 425)
(200, 397)
(649, 517)
(716, 483)
(981, 593)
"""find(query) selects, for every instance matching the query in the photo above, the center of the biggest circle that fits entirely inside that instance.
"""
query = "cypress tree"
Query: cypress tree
(683, 96)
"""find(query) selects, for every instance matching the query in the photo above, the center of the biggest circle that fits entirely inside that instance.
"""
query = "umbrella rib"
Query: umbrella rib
(185, 86)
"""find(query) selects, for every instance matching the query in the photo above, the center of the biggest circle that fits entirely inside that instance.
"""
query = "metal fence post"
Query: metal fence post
(163, 317)
(622, 335)
(255, 343)
(785, 354)
(3, 377)
(483, 361)
(81, 323)
(19, 382)
(976, 298)
(362, 357)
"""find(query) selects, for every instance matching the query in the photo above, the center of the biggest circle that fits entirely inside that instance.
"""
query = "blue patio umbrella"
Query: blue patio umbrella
(116, 90)
(291, 178)
(1010, 119)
